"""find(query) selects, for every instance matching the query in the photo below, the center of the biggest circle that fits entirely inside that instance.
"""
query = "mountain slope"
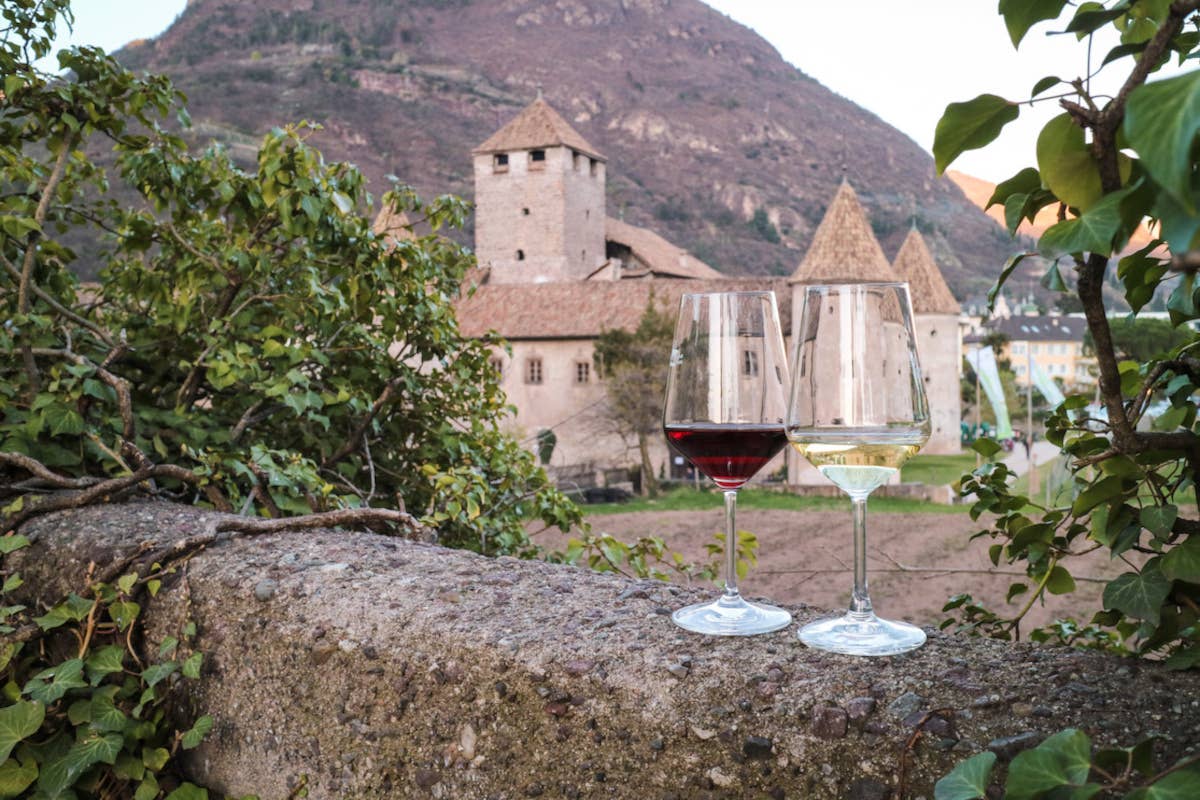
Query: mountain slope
(712, 139)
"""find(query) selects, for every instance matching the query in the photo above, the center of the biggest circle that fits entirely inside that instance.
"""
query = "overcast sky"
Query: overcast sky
(902, 61)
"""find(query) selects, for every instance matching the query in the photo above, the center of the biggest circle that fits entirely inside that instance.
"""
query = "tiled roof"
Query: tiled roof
(393, 225)
(927, 287)
(659, 255)
(585, 309)
(1040, 329)
(538, 125)
(844, 249)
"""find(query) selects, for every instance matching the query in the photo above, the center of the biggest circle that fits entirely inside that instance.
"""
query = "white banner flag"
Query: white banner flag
(983, 361)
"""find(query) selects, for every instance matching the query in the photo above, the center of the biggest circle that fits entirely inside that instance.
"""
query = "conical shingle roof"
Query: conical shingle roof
(537, 126)
(914, 263)
(392, 225)
(843, 249)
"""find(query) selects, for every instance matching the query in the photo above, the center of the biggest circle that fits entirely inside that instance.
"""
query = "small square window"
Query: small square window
(537, 159)
(749, 362)
(533, 370)
(497, 367)
(583, 372)
(500, 162)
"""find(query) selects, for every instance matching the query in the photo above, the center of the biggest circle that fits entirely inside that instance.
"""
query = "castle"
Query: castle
(556, 272)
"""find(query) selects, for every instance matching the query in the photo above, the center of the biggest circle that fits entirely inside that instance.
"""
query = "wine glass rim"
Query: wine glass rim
(744, 292)
(855, 284)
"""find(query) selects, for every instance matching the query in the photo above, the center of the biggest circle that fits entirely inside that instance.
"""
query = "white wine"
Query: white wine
(859, 467)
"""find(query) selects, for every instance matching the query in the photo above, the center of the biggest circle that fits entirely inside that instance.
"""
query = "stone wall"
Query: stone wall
(381, 668)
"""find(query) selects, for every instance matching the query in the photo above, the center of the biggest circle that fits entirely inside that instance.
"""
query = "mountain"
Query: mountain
(713, 140)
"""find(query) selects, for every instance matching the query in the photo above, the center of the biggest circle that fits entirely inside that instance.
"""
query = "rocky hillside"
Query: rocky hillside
(712, 139)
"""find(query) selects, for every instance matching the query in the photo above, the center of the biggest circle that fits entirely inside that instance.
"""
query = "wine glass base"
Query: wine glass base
(862, 635)
(731, 616)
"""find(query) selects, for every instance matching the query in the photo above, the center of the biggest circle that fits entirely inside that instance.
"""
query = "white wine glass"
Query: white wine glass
(726, 398)
(857, 412)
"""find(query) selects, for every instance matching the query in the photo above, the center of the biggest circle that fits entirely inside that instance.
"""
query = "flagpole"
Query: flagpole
(1033, 476)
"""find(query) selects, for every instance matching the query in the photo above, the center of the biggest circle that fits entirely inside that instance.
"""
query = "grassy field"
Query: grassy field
(693, 500)
(937, 470)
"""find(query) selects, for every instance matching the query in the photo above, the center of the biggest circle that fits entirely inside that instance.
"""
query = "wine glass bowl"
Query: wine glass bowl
(724, 412)
(857, 411)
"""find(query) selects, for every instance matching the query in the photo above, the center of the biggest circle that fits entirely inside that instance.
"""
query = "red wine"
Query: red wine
(728, 453)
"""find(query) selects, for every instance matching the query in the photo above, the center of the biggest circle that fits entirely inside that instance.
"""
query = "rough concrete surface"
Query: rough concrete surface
(376, 667)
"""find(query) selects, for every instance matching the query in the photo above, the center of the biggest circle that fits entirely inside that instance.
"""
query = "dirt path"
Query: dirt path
(805, 557)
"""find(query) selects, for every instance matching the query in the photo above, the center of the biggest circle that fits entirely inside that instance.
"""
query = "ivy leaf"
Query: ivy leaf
(1182, 562)
(1060, 581)
(105, 661)
(16, 777)
(1066, 164)
(969, 126)
(1180, 227)
(1024, 182)
(1053, 281)
(1092, 16)
(1093, 232)
(198, 731)
(65, 677)
(1009, 266)
(1161, 121)
(1139, 595)
(968, 780)
(1100, 492)
(124, 613)
(191, 667)
(188, 791)
(1159, 519)
(73, 609)
(156, 758)
(1021, 15)
(153, 674)
(60, 775)
(147, 789)
(19, 721)
(1044, 84)
(10, 543)
(1064, 759)
(1182, 785)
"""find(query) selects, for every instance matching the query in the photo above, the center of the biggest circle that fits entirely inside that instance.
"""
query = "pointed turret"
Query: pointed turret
(843, 249)
(914, 263)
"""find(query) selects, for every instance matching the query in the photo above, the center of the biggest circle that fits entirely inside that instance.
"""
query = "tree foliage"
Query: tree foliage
(1107, 163)
(252, 344)
(634, 369)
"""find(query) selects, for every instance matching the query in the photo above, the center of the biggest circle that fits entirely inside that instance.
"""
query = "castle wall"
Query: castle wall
(939, 348)
(539, 221)
(574, 410)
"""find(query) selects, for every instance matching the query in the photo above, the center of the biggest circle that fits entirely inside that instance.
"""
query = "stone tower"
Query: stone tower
(939, 340)
(539, 200)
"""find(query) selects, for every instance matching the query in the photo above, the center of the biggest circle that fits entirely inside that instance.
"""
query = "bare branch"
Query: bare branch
(37, 468)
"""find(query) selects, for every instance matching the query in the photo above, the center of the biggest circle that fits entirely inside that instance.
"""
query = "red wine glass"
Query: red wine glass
(725, 404)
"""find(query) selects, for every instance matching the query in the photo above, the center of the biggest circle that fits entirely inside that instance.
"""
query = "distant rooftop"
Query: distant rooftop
(1040, 329)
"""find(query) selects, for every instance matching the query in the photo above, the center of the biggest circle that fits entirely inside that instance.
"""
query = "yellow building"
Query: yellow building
(1053, 343)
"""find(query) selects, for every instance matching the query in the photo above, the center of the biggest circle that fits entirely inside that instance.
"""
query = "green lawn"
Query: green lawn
(693, 500)
(937, 470)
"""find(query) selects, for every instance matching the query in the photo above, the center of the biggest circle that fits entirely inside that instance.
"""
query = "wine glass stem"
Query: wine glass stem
(731, 587)
(860, 601)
